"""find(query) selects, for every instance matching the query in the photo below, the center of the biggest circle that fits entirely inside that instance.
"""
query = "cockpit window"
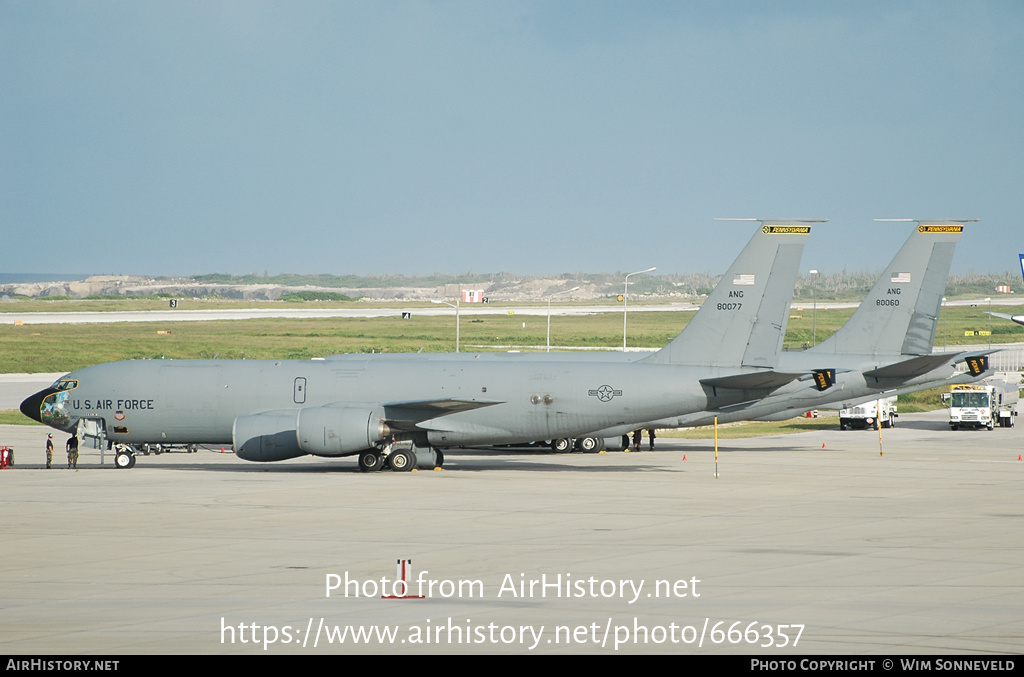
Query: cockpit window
(64, 385)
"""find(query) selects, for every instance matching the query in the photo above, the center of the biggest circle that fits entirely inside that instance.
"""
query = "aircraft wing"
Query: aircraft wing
(407, 415)
(1019, 319)
(760, 380)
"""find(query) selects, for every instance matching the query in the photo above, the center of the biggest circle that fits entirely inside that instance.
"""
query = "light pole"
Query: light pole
(625, 295)
(814, 308)
(945, 329)
(989, 299)
(456, 307)
(557, 293)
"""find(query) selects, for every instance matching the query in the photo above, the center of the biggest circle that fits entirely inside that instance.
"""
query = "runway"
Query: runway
(388, 309)
(913, 551)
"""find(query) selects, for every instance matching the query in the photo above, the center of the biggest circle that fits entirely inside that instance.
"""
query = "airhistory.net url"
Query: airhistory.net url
(454, 633)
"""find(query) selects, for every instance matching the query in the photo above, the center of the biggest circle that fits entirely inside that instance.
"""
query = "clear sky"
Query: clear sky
(174, 138)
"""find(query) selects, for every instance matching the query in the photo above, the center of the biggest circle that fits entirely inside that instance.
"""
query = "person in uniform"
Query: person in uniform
(72, 447)
(49, 450)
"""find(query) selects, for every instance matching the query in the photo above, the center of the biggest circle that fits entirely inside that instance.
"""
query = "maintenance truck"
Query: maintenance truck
(982, 405)
(869, 414)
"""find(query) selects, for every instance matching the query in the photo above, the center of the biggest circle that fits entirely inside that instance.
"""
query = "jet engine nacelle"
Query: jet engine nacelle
(266, 437)
(337, 431)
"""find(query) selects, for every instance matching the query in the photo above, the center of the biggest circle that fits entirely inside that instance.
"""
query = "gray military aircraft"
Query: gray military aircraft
(401, 411)
(885, 346)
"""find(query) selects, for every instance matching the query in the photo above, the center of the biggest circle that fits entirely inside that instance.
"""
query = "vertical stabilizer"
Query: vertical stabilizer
(743, 321)
(901, 312)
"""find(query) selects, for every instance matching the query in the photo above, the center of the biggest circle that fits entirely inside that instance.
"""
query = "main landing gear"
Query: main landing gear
(564, 445)
(399, 458)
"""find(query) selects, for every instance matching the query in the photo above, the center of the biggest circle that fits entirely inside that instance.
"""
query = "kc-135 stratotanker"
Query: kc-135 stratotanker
(401, 411)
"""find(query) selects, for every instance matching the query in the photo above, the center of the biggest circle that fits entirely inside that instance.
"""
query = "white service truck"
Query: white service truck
(982, 405)
(870, 414)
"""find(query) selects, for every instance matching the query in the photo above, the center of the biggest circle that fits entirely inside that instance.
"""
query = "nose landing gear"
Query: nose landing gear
(124, 456)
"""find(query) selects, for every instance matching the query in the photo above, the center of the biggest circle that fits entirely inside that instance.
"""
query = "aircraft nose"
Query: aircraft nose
(32, 406)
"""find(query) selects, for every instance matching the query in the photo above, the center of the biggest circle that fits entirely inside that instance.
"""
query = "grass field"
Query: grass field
(15, 417)
(65, 347)
(743, 429)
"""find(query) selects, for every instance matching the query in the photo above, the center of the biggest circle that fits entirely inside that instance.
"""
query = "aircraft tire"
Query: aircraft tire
(438, 458)
(402, 461)
(124, 459)
(588, 444)
(370, 461)
(562, 445)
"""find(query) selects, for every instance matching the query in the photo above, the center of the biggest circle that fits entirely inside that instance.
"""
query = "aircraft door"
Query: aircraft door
(92, 433)
(299, 391)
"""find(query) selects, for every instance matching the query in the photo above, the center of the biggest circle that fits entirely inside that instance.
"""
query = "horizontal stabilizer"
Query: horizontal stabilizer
(977, 363)
(908, 369)
(761, 380)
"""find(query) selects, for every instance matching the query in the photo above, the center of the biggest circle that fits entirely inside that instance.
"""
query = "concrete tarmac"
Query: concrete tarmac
(838, 549)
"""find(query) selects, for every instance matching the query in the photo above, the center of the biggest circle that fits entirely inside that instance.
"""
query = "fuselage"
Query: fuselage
(197, 401)
(510, 397)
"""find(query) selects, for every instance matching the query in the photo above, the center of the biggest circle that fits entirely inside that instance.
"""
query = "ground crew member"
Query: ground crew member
(49, 449)
(650, 437)
(637, 436)
(72, 446)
